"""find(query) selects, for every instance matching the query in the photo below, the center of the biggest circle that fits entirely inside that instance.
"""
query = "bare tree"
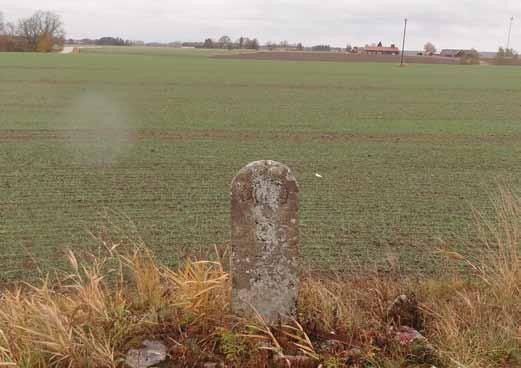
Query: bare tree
(506, 57)
(4, 42)
(7, 40)
(10, 29)
(2, 24)
(253, 44)
(208, 44)
(225, 41)
(429, 48)
(41, 31)
(6, 29)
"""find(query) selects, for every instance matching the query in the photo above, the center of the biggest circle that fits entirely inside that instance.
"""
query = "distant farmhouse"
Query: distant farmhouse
(382, 50)
(455, 53)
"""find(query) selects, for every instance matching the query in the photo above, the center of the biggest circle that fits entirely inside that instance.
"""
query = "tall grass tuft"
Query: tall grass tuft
(479, 325)
(91, 316)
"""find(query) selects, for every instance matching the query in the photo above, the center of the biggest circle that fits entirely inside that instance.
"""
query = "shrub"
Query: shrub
(470, 58)
(506, 57)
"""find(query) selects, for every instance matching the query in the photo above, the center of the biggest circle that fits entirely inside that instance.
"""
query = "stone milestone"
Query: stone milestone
(265, 241)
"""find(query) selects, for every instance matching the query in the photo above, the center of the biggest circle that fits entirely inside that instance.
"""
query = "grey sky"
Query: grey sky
(482, 24)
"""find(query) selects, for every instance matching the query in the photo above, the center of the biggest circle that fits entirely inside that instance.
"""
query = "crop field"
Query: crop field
(90, 142)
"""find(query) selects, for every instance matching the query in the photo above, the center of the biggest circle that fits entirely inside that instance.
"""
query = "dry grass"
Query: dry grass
(112, 301)
(479, 324)
(90, 317)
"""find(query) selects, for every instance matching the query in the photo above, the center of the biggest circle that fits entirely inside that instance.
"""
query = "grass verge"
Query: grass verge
(110, 302)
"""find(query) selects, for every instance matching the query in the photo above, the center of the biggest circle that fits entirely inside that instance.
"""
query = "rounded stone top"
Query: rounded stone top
(264, 182)
(274, 169)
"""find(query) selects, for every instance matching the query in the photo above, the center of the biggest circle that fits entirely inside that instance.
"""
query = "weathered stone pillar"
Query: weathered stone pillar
(265, 241)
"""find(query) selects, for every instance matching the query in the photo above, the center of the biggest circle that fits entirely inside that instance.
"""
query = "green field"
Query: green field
(157, 135)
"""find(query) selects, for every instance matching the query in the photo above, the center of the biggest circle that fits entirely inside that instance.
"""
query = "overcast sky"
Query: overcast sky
(482, 24)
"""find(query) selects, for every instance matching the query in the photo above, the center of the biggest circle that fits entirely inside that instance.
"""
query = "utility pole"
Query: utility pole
(403, 43)
(510, 32)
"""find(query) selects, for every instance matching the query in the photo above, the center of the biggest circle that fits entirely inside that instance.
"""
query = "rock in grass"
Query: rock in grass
(332, 345)
(406, 336)
(152, 353)
(420, 349)
(404, 311)
(354, 356)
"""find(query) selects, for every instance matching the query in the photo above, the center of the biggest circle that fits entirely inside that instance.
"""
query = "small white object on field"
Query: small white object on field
(67, 50)
(318, 175)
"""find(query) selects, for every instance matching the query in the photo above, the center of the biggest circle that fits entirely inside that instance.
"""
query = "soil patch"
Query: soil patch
(137, 135)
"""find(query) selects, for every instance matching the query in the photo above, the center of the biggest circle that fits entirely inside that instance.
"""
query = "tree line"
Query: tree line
(112, 41)
(225, 42)
(41, 32)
